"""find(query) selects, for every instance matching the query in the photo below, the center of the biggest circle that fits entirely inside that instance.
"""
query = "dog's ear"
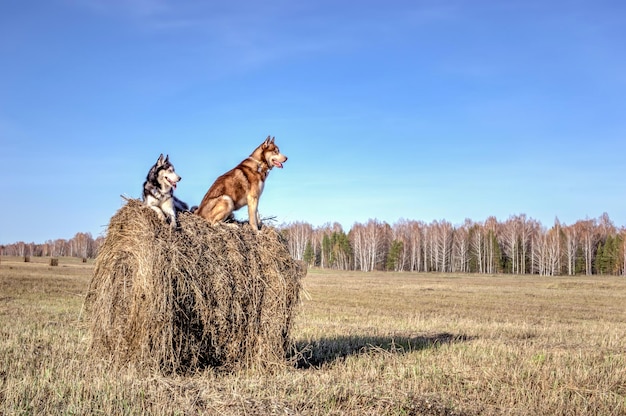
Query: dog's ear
(160, 160)
(266, 142)
(272, 141)
(167, 159)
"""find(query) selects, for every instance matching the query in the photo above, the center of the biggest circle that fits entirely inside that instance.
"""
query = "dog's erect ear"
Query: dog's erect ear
(167, 159)
(266, 142)
(272, 141)
(160, 160)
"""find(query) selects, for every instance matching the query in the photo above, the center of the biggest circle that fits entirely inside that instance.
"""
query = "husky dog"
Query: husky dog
(158, 191)
(242, 185)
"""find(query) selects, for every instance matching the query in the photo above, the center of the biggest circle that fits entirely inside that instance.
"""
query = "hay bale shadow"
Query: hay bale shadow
(314, 354)
(199, 296)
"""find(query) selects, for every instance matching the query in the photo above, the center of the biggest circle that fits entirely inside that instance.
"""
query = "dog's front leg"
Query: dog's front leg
(170, 211)
(158, 211)
(253, 213)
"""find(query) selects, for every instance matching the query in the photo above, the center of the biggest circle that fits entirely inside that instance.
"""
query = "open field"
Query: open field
(376, 343)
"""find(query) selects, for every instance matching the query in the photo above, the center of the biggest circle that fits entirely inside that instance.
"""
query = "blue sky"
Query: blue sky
(424, 110)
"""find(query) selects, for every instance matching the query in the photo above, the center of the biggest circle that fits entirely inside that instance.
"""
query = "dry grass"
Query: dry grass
(201, 296)
(379, 343)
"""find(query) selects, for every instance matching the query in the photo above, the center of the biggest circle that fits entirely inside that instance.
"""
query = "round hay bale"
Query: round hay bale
(201, 296)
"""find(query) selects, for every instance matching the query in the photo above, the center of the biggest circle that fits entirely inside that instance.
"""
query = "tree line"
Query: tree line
(81, 245)
(519, 245)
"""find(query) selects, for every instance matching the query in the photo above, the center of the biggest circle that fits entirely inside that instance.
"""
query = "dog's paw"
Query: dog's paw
(255, 228)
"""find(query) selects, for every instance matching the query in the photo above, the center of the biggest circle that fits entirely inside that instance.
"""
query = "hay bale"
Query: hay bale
(202, 296)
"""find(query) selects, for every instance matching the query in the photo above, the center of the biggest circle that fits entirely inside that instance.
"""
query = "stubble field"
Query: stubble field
(368, 344)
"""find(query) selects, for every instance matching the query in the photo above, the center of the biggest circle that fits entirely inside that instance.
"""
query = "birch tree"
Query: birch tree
(546, 252)
(588, 240)
(298, 235)
(509, 239)
(370, 244)
(461, 247)
(492, 250)
(570, 249)
(441, 233)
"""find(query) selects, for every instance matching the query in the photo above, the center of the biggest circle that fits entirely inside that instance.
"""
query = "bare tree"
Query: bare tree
(509, 238)
(298, 235)
(410, 233)
(526, 229)
(429, 247)
(20, 248)
(81, 245)
(369, 243)
(461, 247)
(588, 240)
(441, 235)
(492, 250)
(546, 252)
(558, 230)
(416, 245)
(359, 247)
(401, 232)
(98, 242)
(320, 239)
(316, 243)
(605, 226)
(477, 247)
(571, 244)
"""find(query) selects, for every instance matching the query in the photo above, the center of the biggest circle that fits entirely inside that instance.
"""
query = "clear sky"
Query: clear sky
(423, 110)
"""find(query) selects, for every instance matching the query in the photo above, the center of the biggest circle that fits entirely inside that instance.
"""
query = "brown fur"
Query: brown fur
(242, 185)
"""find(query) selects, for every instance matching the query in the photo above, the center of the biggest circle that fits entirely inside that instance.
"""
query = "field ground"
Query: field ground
(370, 344)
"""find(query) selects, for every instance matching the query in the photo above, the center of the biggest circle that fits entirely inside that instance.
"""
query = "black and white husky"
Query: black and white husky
(158, 191)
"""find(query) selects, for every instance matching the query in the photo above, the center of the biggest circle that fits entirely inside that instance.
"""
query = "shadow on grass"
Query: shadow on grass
(326, 350)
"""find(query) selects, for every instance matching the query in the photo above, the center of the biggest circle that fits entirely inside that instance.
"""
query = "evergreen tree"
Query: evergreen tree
(309, 254)
(341, 250)
(607, 256)
(580, 262)
(473, 255)
(498, 259)
(393, 258)
(600, 260)
(611, 252)
(326, 248)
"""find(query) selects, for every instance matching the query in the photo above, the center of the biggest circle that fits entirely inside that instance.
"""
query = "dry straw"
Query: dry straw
(201, 296)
